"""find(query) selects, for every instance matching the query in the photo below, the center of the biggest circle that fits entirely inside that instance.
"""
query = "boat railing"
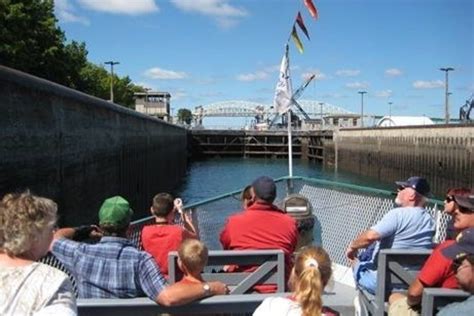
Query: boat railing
(341, 212)
(396, 269)
(436, 298)
(269, 269)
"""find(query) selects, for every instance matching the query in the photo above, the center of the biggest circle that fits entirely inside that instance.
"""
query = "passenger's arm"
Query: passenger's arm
(362, 241)
(415, 293)
(182, 293)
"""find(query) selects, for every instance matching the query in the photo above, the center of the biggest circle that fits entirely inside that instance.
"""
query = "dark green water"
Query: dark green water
(213, 177)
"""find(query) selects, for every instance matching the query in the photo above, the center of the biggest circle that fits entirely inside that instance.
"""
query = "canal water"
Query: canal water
(217, 176)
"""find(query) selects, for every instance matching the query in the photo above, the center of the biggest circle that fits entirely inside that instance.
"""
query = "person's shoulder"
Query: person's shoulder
(50, 273)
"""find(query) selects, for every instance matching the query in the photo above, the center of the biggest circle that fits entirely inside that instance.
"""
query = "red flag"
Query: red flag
(311, 8)
(299, 20)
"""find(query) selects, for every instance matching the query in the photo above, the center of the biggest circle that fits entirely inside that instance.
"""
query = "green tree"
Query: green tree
(31, 42)
(185, 116)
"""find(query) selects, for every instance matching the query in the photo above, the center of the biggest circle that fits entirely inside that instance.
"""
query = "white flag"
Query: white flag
(284, 90)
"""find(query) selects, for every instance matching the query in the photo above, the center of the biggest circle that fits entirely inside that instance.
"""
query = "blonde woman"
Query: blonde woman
(26, 286)
(310, 274)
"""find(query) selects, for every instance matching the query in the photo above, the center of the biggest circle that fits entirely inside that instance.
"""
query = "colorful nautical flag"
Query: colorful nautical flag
(299, 20)
(297, 40)
(283, 90)
(311, 8)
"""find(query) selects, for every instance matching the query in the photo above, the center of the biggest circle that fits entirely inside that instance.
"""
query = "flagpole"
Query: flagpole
(290, 146)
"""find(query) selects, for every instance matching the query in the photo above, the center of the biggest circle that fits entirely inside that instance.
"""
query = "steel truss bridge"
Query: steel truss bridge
(238, 108)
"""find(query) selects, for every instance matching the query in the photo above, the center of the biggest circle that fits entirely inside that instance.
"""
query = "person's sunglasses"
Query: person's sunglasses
(449, 198)
(400, 188)
(457, 263)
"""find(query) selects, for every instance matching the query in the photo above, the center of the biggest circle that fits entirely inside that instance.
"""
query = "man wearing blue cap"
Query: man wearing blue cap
(408, 226)
(462, 254)
(262, 225)
(114, 268)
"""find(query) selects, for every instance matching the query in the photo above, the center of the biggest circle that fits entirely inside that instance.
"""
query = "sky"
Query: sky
(207, 51)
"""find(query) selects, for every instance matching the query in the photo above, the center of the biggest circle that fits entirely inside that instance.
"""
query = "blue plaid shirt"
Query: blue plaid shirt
(112, 268)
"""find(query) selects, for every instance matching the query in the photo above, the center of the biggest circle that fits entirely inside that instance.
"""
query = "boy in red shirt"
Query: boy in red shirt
(165, 236)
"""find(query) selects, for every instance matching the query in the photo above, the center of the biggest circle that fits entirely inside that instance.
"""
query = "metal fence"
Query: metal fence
(341, 210)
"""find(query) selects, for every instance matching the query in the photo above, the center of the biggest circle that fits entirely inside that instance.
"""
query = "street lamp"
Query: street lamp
(321, 110)
(112, 63)
(146, 99)
(362, 107)
(446, 94)
(390, 109)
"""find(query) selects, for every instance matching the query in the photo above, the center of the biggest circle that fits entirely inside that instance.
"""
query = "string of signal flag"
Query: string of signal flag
(299, 21)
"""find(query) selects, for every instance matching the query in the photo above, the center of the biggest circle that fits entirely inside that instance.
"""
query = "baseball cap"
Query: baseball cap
(463, 246)
(115, 211)
(418, 184)
(465, 201)
(264, 188)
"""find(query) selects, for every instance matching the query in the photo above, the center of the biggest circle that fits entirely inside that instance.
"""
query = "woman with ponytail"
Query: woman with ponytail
(310, 274)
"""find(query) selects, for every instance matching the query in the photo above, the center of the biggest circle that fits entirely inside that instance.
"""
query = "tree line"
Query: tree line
(31, 41)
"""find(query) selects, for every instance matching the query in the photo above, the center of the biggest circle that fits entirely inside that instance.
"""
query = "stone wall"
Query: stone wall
(444, 155)
(78, 150)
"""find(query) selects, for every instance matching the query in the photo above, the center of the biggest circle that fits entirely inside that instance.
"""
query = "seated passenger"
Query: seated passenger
(247, 197)
(436, 272)
(451, 232)
(408, 226)
(462, 254)
(309, 276)
(114, 268)
(262, 226)
(192, 258)
(28, 287)
(165, 236)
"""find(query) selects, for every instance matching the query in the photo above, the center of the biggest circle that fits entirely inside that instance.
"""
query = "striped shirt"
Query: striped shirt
(112, 268)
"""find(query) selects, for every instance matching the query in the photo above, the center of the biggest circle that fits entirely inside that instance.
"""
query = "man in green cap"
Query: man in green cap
(114, 268)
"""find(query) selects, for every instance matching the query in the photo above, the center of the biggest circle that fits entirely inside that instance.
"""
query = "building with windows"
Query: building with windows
(154, 103)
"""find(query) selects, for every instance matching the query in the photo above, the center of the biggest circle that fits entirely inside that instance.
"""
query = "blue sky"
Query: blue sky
(205, 51)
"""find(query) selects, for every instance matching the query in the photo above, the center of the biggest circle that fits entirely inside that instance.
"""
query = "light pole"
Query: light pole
(362, 107)
(446, 94)
(146, 99)
(321, 110)
(390, 109)
(112, 63)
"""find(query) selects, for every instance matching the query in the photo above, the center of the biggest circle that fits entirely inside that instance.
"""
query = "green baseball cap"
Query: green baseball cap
(115, 211)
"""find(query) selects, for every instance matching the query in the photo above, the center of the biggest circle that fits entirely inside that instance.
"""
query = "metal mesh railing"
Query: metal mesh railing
(342, 211)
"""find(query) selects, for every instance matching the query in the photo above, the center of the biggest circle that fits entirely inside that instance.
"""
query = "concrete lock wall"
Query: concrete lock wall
(79, 150)
(444, 155)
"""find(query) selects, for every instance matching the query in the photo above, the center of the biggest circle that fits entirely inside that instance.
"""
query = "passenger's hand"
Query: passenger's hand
(96, 232)
(218, 288)
(178, 204)
(351, 253)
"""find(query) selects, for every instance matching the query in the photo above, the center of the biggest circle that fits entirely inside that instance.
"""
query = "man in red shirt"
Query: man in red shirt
(437, 271)
(262, 226)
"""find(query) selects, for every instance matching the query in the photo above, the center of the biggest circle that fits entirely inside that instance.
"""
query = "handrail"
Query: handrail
(144, 306)
(311, 180)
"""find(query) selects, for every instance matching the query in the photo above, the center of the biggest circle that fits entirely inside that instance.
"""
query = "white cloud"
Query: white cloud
(258, 75)
(158, 73)
(393, 72)
(180, 94)
(225, 14)
(357, 85)
(65, 12)
(129, 7)
(347, 72)
(434, 84)
(383, 93)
